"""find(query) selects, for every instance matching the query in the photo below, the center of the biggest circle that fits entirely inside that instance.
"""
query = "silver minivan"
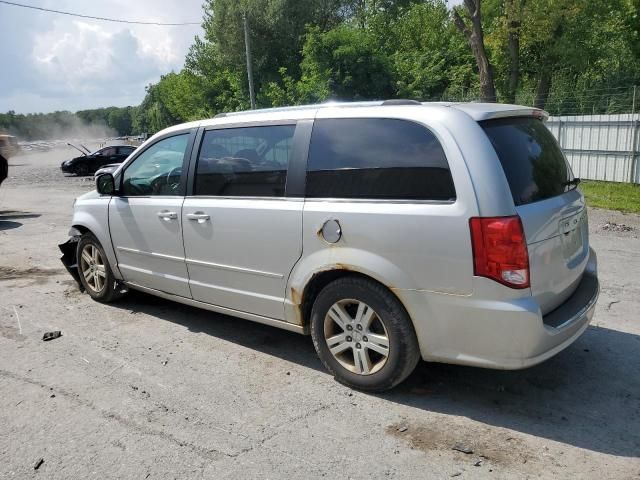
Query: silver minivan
(388, 231)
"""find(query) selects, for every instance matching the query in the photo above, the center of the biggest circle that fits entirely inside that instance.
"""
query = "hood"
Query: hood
(88, 196)
(83, 152)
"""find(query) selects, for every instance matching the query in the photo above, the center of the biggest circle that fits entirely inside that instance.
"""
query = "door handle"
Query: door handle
(200, 217)
(166, 215)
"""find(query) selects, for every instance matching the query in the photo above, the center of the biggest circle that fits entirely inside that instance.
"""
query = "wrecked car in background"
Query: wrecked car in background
(88, 163)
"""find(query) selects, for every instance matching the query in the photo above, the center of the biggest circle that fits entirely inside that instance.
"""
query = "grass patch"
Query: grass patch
(624, 197)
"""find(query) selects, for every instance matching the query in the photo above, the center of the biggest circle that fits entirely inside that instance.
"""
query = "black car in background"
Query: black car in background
(88, 162)
(8, 148)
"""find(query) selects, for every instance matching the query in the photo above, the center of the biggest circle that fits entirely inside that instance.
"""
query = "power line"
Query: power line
(104, 19)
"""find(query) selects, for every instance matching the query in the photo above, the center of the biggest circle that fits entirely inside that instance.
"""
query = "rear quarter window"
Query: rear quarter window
(533, 163)
(376, 159)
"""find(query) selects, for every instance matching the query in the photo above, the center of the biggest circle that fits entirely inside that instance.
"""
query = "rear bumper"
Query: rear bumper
(509, 334)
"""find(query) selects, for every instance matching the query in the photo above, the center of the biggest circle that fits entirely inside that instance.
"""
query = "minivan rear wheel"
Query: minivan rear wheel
(94, 271)
(363, 334)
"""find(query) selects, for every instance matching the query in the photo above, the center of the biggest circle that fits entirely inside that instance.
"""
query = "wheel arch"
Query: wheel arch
(304, 299)
(87, 222)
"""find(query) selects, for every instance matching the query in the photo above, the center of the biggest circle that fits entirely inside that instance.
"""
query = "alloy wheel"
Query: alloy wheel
(93, 268)
(356, 336)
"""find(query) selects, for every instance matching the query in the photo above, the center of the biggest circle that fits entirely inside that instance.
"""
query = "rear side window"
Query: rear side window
(125, 150)
(532, 161)
(246, 161)
(376, 158)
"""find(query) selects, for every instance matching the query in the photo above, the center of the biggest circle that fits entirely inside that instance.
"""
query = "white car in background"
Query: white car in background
(110, 168)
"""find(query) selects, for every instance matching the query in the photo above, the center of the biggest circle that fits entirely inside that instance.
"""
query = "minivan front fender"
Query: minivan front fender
(93, 216)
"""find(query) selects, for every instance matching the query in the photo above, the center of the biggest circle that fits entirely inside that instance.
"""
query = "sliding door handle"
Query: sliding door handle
(198, 216)
(167, 215)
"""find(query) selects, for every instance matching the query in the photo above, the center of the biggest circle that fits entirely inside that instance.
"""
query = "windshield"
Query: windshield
(533, 163)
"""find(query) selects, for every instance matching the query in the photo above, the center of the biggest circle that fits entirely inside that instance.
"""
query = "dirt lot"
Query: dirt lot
(150, 389)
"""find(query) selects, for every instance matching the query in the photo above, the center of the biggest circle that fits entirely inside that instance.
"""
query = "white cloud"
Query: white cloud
(50, 62)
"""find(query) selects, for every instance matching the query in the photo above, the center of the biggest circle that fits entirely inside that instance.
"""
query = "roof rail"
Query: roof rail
(373, 103)
(400, 101)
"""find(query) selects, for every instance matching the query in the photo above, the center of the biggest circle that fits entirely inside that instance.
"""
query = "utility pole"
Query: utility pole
(247, 47)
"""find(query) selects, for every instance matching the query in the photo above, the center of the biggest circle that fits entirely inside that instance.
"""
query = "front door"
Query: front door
(145, 219)
(242, 234)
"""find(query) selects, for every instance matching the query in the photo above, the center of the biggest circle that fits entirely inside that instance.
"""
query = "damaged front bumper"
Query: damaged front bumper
(69, 258)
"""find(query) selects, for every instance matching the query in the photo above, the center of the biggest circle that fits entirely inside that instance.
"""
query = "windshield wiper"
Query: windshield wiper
(572, 183)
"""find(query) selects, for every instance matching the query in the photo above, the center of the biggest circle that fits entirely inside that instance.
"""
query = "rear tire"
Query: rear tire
(363, 335)
(94, 270)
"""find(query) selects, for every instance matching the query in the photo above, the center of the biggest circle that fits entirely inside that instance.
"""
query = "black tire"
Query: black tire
(403, 350)
(109, 291)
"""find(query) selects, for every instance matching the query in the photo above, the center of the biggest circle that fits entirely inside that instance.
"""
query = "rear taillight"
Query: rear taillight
(500, 250)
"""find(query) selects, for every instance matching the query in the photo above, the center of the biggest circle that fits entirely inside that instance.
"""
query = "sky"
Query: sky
(54, 62)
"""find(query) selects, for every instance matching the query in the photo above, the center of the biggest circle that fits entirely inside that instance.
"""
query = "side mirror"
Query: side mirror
(105, 184)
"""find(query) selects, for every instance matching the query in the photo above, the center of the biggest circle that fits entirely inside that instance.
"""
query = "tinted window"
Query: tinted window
(125, 150)
(377, 159)
(247, 161)
(532, 161)
(107, 152)
(158, 169)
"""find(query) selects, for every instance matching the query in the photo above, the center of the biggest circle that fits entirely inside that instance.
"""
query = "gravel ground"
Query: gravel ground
(150, 389)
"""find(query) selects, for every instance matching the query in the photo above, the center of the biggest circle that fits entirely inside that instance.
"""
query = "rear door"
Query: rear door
(242, 230)
(123, 153)
(105, 156)
(145, 220)
(552, 209)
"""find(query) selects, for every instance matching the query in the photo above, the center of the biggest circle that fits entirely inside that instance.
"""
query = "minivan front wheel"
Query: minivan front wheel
(94, 271)
(363, 335)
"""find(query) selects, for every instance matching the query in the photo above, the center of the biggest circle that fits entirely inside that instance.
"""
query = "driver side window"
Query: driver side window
(157, 171)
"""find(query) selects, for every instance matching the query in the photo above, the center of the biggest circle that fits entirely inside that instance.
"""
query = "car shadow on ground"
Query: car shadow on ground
(587, 396)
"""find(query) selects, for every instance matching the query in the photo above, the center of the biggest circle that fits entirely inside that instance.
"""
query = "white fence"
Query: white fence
(600, 147)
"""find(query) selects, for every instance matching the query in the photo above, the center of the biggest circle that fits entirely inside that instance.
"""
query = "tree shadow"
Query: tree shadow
(15, 214)
(8, 225)
(587, 396)
(6, 217)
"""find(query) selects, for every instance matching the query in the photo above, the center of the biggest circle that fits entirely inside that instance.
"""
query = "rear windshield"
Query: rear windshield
(532, 161)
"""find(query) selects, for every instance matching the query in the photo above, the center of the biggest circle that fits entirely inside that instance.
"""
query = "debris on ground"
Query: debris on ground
(616, 227)
(612, 303)
(38, 463)
(403, 429)
(51, 335)
(478, 463)
(458, 447)
(457, 474)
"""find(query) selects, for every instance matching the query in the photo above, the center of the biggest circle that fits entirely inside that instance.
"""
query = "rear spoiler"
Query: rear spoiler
(522, 112)
(490, 111)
